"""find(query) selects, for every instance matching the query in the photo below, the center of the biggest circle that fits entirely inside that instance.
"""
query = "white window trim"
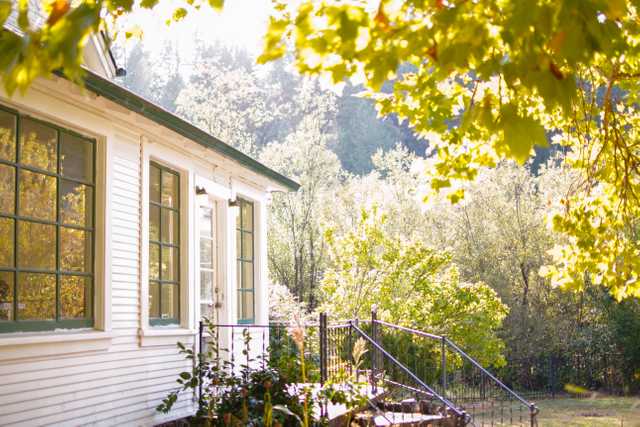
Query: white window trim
(20, 345)
(260, 273)
(165, 335)
(213, 204)
(46, 343)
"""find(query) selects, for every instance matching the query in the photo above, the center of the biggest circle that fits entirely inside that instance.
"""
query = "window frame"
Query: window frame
(240, 288)
(159, 321)
(17, 325)
(213, 237)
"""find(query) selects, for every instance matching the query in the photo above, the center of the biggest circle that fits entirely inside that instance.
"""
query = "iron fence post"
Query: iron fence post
(443, 365)
(534, 412)
(374, 355)
(323, 348)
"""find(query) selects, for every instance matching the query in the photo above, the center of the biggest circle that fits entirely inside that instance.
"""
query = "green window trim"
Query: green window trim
(245, 228)
(163, 246)
(62, 224)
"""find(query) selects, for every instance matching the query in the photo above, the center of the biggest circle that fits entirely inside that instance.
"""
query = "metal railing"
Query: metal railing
(396, 363)
(456, 376)
(270, 344)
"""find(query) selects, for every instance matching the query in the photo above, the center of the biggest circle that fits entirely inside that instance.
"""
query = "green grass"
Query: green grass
(590, 412)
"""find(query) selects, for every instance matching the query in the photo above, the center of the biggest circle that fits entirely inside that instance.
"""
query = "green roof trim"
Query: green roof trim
(116, 93)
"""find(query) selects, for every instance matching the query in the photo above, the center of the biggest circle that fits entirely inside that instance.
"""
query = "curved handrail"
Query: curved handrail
(408, 372)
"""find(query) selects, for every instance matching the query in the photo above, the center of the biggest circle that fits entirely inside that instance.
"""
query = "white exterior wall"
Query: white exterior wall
(117, 373)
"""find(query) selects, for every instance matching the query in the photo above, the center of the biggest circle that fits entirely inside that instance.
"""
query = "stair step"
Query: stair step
(404, 419)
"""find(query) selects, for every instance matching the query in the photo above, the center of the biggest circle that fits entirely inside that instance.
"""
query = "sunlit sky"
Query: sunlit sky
(242, 23)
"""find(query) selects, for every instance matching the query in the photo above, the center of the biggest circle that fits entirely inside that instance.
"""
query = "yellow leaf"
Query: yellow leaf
(217, 5)
(135, 31)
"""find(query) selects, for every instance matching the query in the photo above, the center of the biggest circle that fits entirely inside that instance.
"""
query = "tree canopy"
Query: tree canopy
(480, 81)
(491, 80)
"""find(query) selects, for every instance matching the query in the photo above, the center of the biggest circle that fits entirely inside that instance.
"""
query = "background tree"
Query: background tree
(297, 250)
(411, 285)
(488, 81)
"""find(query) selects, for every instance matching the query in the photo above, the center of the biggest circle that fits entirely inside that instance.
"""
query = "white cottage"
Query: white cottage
(120, 226)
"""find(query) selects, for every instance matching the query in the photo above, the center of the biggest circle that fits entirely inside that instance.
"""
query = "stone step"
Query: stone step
(400, 419)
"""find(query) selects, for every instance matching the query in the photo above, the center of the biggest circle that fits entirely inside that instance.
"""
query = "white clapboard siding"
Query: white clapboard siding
(118, 387)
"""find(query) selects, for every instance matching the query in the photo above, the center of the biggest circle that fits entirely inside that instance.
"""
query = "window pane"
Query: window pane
(154, 184)
(7, 188)
(206, 285)
(154, 300)
(206, 253)
(75, 250)
(37, 195)
(169, 189)
(169, 264)
(36, 245)
(169, 301)
(7, 136)
(245, 305)
(6, 242)
(76, 157)
(154, 261)
(238, 244)
(246, 210)
(6, 295)
(247, 275)
(154, 223)
(170, 227)
(39, 145)
(77, 203)
(208, 311)
(206, 225)
(36, 296)
(247, 246)
(75, 297)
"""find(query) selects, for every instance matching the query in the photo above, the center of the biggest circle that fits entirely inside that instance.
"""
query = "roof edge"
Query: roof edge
(127, 99)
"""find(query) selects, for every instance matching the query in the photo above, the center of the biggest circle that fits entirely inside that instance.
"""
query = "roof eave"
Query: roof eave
(121, 96)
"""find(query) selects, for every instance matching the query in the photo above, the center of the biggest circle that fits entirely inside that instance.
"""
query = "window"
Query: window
(208, 289)
(244, 236)
(164, 246)
(47, 199)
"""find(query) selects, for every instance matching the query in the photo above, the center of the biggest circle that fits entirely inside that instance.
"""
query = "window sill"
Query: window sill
(165, 336)
(36, 344)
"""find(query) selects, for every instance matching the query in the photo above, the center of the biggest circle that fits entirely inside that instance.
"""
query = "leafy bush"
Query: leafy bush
(412, 285)
(269, 391)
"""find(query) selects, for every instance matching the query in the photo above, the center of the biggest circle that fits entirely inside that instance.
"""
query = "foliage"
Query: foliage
(411, 285)
(284, 306)
(262, 392)
(256, 394)
(49, 36)
(489, 81)
(480, 81)
(498, 235)
(156, 78)
(296, 248)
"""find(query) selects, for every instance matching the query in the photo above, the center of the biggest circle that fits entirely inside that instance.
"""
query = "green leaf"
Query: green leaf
(5, 10)
(520, 134)
(148, 4)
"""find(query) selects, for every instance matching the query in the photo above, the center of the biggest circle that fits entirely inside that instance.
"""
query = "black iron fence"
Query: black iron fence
(393, 362)
(576, 375)
(277, 344)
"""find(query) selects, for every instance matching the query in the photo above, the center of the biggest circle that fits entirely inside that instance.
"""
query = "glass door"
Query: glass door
(208, 266)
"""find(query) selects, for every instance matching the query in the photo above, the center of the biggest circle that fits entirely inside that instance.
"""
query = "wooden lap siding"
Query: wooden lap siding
(120, 386)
